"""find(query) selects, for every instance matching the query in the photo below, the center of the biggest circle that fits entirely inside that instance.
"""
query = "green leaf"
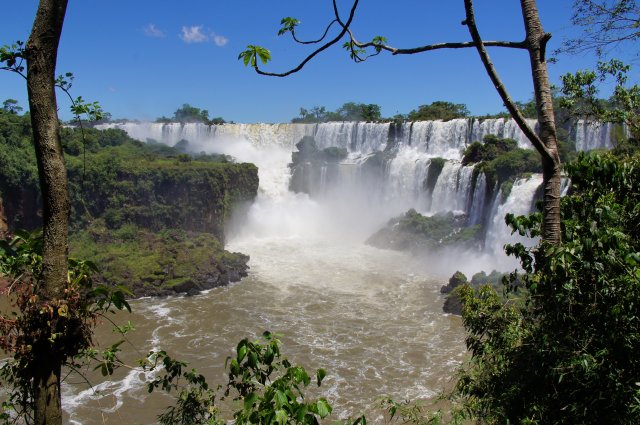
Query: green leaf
(323, 408)
(320, 374)
(250, 400)
(281, 399)
(281, 416)
(288, 25)
(242, 352)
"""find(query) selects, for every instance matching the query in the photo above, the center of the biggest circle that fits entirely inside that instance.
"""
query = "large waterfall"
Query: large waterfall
(388, 169)
(372, 318)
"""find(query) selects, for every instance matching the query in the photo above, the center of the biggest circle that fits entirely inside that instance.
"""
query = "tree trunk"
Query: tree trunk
(41, 54)
(536, 45)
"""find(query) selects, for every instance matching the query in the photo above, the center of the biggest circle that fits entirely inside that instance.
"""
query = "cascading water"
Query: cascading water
(368, 186)
(452, 188)
(478, 200)
(518, 202)
(503, 128)
(593, 135)
(371, 317)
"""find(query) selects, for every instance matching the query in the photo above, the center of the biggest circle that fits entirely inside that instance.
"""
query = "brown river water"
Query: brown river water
(372, 318)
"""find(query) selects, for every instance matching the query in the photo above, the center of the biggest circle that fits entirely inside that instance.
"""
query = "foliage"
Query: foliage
(249, 56)
(490, 149)
(413, 413)
(17, 160)
(187, 113)
(581, 91)
(60, 327)
(439, 110)
(501, 159)
(267, 386)
(122, 180)
(606, 25)
(457, 279)
(349, 111)
(157, 263)
(414, 231)
(567, 354)
(11, 106)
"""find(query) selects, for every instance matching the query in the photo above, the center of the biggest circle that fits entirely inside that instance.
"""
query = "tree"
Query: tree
(188, 113)
(439, 110)
(535, 43)
(581, 90)
(41, 56)
(11, 106)
(606, 24)
(54, 322)
(564, 350)
(352, 111)
(349, 111)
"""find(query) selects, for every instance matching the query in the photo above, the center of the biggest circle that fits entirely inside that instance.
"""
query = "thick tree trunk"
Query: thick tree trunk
(536, 45)
(41, 55)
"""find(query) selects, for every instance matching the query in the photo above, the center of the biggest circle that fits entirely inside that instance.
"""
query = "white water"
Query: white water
(519, 202)
(348, 198)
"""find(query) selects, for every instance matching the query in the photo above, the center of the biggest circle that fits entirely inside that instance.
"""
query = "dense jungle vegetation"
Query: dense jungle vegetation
(149, 214)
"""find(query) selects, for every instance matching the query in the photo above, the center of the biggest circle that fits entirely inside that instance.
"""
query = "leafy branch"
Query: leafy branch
(581, 95)
(268, 387)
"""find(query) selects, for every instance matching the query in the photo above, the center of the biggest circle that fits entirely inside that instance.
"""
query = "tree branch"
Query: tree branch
(436, 46)
(326, 31)
(499, 85)
(325, 46)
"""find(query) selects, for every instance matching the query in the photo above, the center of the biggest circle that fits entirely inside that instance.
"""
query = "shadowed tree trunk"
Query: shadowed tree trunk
(41, 54)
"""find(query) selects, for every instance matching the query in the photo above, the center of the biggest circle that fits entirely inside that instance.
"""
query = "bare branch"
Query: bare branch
(499, 85)
(326, 31)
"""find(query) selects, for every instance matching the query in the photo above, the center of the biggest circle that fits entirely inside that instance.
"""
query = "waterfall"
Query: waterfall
(417, 165)
(452, 188)
(361, 137)
(503, 128)
(406, 174)
(478, 200)
(593, 135)
(440, 138)
(519, 202)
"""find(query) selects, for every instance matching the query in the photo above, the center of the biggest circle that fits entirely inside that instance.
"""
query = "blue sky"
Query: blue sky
(142, 59)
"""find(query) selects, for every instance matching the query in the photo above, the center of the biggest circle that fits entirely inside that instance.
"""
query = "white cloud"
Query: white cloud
(197, 34)
(152, 31)
(193, 34)
(220, 40)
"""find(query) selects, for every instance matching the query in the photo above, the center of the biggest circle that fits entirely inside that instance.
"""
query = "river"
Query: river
(372, 318)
